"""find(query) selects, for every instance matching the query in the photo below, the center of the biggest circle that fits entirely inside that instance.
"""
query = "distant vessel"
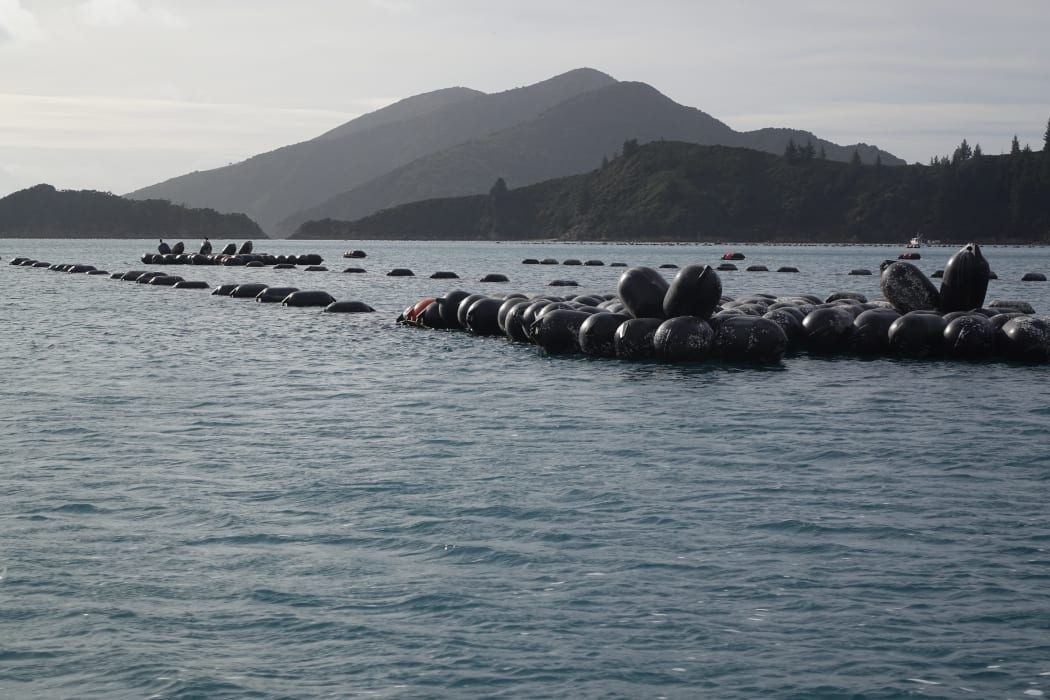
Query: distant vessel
(915, 242)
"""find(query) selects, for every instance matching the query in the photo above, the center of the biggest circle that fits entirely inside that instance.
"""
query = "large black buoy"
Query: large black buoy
(642, 290)
(694, 291)
(965, 280)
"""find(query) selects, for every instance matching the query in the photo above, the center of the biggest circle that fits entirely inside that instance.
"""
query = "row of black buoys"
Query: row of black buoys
(569, 261)
(288, 296)
(730, 267)
(205, 249)
(648, 318)
(688, 319)
(443, 274)
(233, 258)
(71, 268)
(154, 278)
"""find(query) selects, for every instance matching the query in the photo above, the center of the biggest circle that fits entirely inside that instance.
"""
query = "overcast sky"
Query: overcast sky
(118, 94)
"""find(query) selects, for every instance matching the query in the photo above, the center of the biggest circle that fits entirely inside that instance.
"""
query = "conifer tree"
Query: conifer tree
(1015, 146)
(499, 188)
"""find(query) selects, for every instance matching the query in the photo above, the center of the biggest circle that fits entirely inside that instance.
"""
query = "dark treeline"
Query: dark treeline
(687, 192)
(44, 212)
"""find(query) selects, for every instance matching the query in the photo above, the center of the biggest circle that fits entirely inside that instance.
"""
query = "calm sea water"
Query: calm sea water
(205, 497)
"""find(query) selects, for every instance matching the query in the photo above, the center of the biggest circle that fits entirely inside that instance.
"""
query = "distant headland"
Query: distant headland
(44, 212)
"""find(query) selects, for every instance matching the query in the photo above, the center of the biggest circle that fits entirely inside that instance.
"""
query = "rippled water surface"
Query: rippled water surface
(207, 497)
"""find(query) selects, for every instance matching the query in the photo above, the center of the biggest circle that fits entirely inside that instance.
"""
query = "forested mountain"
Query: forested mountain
(44, 212)
(270, 186)
(456, 141)
(682, 191)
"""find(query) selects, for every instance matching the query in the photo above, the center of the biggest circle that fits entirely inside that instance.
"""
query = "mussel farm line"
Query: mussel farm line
(286, 296)
(689, 320)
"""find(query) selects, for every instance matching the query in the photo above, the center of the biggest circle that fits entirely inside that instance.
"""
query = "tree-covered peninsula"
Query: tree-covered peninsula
(686, 192)
(44, 212)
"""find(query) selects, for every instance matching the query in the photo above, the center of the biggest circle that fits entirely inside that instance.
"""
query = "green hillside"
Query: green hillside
(682, 191)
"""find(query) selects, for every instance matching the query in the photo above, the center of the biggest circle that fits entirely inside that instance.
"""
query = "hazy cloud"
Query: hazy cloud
(119, 13)
(17, 24)
(107, 143)
(122, 124)
(131, 102)
(399, 7)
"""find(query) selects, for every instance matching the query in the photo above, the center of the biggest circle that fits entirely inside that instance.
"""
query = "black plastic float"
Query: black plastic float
(274, 295)
(348, 307)
(308, 298)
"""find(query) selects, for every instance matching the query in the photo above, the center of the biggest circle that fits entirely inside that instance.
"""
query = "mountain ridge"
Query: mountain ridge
(409, 149)
(271, 185)
(571, 137)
